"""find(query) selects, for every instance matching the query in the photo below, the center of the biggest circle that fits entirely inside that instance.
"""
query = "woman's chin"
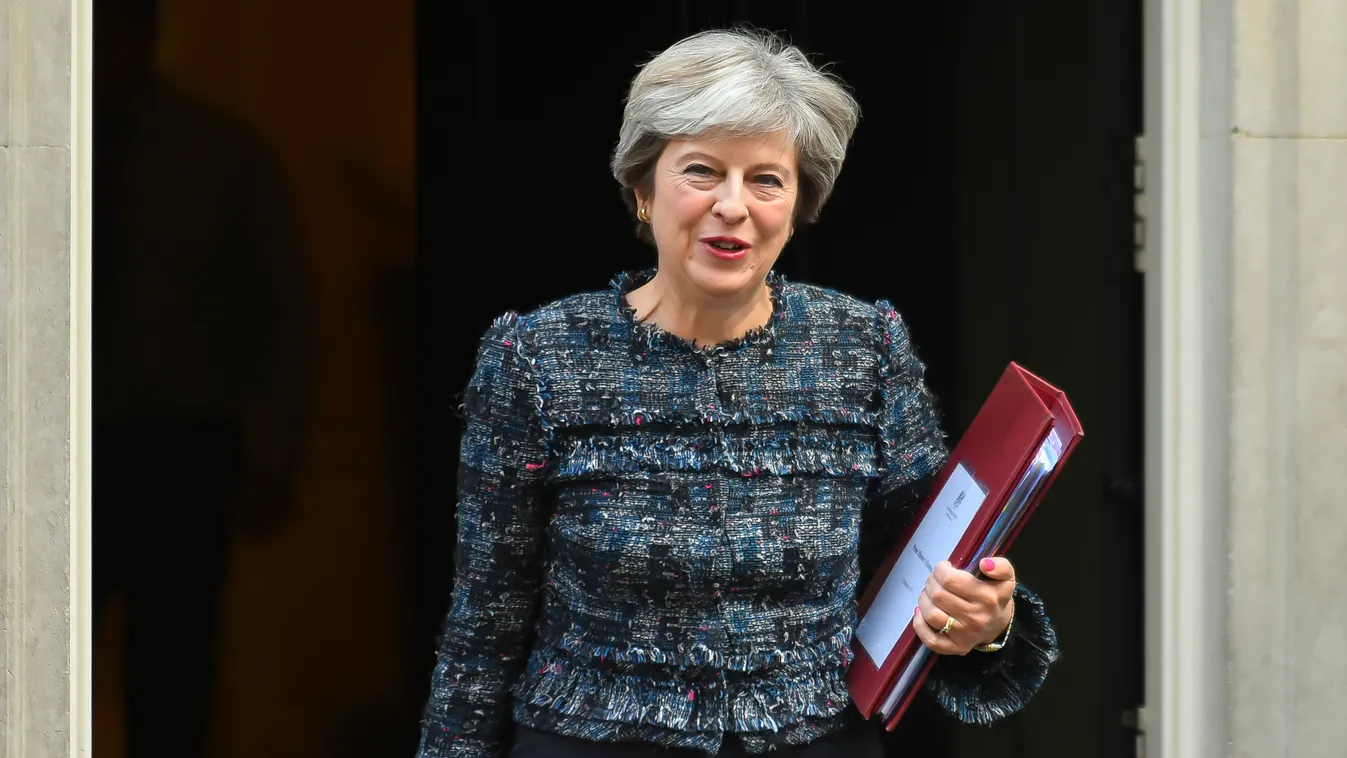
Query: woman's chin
(717, 279)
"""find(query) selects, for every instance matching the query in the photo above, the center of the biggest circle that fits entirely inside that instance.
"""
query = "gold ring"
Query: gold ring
(949, 625)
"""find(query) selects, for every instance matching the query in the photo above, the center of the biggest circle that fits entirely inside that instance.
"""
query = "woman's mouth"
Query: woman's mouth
(726, 248)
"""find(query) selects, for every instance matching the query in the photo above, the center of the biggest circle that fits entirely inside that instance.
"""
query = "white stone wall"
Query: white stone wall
(35, 397)
(1287, 621)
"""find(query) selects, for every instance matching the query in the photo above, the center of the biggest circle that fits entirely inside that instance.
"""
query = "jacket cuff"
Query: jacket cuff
(981, 688)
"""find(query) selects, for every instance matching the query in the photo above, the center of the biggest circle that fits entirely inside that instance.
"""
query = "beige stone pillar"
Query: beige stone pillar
(1287, 623)
(44, 577)
(1246, 268)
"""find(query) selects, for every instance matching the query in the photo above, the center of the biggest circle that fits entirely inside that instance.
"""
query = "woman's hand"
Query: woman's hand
(981, 607)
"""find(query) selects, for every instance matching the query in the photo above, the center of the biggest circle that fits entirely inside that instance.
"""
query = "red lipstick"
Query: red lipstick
(725, 248)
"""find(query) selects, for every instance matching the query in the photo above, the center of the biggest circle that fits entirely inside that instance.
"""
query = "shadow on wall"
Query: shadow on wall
(312, 660)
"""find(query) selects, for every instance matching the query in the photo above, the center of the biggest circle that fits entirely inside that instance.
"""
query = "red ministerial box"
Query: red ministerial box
(990, 460)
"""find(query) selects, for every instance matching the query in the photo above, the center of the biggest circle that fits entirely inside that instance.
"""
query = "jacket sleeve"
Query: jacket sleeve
(912, 444)
(498, 561)
(980, 687)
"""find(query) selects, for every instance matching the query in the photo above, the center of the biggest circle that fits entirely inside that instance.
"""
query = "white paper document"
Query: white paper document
(934, 540)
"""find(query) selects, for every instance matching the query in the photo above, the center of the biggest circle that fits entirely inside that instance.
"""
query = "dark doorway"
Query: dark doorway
(988, 194)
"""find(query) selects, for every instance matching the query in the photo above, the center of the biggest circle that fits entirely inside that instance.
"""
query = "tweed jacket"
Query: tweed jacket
(660, 541)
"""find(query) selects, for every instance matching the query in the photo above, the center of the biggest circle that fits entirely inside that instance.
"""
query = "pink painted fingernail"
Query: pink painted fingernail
(988, 564)
(916, 611)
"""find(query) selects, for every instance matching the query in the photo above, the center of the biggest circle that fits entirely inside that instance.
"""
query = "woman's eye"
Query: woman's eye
(698, 169)
(769, 180)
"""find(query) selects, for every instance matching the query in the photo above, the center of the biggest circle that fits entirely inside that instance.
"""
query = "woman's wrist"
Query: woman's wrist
(1001, 639)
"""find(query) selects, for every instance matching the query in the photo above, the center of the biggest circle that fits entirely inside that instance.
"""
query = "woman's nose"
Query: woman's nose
(730, 206)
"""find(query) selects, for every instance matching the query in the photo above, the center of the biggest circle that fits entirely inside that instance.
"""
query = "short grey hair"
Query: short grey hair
(736, 83)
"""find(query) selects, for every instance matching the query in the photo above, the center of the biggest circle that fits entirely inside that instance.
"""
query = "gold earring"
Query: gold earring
(643, 215)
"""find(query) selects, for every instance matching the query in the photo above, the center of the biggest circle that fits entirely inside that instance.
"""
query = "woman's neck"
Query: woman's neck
(701, 320)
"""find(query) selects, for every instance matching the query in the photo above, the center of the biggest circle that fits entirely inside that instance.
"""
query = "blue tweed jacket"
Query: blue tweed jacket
(662, 542)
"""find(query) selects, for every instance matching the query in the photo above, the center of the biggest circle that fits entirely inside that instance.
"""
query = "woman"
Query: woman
(665, 486)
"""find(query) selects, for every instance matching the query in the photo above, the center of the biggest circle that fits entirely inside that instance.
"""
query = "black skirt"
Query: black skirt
(862, 742)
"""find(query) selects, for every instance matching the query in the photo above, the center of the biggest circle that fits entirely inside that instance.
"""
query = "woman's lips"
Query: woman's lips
(726, 253)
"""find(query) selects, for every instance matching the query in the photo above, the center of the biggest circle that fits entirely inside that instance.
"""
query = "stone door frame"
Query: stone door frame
(1185, 207)
(46, 141)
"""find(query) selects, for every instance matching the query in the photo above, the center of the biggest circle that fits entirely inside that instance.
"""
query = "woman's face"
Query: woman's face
(721, 210)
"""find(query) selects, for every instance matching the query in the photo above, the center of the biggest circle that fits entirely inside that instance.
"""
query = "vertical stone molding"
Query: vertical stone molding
(38, 614)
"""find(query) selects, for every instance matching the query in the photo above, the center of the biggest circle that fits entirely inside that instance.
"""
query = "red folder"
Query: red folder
(999, 454)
